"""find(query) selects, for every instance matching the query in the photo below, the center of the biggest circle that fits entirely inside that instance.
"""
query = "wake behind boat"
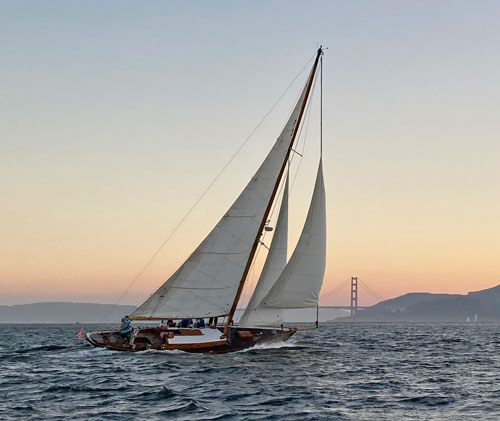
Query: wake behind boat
(208, 285)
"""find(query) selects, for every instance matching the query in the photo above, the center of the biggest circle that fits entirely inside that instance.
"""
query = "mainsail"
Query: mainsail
(299, 284)
(208, 283)
(275, 263)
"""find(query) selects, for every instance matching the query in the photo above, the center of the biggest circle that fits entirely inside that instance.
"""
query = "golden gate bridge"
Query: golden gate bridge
(355, 283)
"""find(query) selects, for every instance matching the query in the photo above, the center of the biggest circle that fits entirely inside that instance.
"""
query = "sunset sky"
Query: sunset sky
(115, 116)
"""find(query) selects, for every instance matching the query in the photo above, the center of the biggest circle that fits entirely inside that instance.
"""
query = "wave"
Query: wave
(161, 352)
(158, 395)
(427, 400)
(83, 353)
(273, 345)
(41, 349)
(82, 388)
(180, 403)
(218, 369)
(190, 405)
(305, 377)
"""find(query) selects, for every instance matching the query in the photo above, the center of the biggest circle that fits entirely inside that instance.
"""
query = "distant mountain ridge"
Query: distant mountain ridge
(63, 312)
(427, 307)
(411, 307)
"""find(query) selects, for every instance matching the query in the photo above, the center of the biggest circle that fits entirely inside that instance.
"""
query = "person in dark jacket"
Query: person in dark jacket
(185, 323)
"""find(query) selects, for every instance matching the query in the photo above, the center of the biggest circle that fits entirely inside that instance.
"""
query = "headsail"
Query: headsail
(209, 281)
(274, 265)
(300, 282)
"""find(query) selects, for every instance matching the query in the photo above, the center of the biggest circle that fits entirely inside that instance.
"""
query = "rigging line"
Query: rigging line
(279, 195)
(298, 96)
(254, 263)
(250, 287)
(290, 161)
(148, 263)
(292, 156)
(253, 283)
(281, 191)
(308, 118)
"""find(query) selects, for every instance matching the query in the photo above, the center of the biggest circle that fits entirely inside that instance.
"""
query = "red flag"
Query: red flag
(80, 334)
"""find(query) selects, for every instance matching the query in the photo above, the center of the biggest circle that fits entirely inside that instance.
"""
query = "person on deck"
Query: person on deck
(185, 323)
(200, 323)
(125, 327)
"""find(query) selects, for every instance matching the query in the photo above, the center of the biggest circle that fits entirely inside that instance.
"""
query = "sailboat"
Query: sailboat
(208, 285)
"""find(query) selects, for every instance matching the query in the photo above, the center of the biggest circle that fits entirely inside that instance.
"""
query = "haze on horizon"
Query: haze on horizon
(115, 117)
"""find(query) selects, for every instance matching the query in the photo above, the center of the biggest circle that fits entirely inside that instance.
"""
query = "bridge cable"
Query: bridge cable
(371, 291)
(336, 289)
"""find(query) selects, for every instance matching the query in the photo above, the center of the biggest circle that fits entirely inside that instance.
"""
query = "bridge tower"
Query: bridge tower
(354, 295)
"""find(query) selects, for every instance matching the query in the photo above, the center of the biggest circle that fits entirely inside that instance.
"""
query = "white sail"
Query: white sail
(300, 282)
(207, 283)
(274, 265)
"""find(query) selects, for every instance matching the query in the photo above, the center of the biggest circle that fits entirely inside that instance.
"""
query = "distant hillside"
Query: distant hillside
(108, 313)
(425, 307)
(63, 313)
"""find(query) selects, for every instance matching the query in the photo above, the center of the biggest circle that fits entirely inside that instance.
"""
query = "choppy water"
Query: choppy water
(342, 371)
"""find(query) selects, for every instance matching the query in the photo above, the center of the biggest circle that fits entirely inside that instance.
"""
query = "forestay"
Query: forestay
(299, 284)
(274, 265)
(207, 283)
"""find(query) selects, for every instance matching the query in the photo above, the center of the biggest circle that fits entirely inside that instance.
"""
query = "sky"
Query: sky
(115, 116)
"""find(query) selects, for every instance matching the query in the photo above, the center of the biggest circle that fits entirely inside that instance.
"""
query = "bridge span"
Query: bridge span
(355, 283)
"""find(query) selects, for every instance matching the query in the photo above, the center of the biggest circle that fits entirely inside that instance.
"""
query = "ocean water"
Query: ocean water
(339, 372)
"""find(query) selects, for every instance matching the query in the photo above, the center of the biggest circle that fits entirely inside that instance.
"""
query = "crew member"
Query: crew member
(125, 327)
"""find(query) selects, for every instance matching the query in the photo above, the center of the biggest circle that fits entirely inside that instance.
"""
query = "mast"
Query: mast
(321, 108)
(320, 143)
(269, 205)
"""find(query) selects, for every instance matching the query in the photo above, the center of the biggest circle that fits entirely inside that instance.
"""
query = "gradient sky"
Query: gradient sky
(115, 116)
